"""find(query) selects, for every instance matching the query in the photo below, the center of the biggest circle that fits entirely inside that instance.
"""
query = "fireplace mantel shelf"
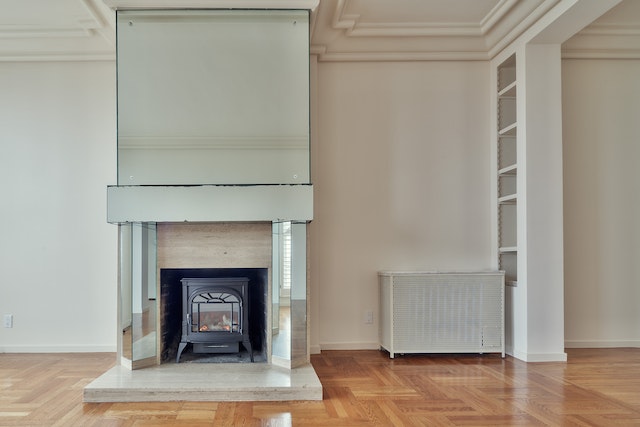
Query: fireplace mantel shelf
(209, 203)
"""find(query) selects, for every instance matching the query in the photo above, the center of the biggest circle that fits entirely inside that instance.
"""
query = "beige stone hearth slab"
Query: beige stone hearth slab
(205, 382)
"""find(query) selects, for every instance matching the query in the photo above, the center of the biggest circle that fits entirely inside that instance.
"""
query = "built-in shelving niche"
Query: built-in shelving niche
(507, 170)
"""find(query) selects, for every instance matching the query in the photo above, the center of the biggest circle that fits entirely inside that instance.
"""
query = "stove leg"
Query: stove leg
(247, 345)
(181, 348)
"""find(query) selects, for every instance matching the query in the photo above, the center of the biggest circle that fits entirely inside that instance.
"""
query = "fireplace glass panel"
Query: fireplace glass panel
(298, 295)
(215, 311)
(138, 293)
(281, 283)
(125, 347)
(213, 97)
(289, 294)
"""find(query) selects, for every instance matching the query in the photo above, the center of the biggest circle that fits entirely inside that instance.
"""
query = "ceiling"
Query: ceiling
(342, 30)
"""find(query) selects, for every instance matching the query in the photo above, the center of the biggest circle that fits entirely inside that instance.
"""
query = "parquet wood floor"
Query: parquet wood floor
(596, 387)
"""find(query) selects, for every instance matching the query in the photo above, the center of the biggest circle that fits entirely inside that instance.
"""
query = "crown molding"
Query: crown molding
(106, 19)
(341, 20)
(36, 31)
(398, 29)
(88, 36)
(317, 49)
(336, 35)
(347, 36)
(326, 56)
(502, 41)
(496, 14)
(612, 29)
(353, 27)
(601, 54)
(62, 56)
(604, 41)
(82, 26)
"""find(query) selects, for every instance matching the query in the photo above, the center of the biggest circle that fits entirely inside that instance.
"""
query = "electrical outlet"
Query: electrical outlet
(368, 317)
(8, 320)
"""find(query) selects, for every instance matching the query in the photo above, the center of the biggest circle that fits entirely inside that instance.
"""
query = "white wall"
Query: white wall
(402, 178)
(601, 131)
(57, 253)
(401, 175)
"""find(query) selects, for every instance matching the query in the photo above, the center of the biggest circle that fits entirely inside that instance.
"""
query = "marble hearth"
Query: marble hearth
(203, 382)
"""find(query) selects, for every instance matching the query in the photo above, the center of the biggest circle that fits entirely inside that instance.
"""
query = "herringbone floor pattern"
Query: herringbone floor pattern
(597, 387)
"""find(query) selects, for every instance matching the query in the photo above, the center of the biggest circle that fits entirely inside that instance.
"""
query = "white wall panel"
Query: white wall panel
(57, 253)
(401, 183)
(601, 132)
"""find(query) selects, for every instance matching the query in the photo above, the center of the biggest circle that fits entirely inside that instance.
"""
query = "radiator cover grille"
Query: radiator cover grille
(442, 312)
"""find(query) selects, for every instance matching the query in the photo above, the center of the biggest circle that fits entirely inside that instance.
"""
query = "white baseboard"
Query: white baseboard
(601, 343)
(58, 349)
(350, 346)
(314, 349)
(539, 357)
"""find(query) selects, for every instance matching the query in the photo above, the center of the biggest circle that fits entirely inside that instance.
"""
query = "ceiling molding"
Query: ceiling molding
(341, 30)
(601, 54)
(36, 31)
(317, 49)
(604, 41)
(347, 36)
(496, 14)
(398, 29)
(612, 29)
(352, 26)
(71, 56)
(501, 41)
(325, 56)
(104, 17)
(85, 33)
(341, 20)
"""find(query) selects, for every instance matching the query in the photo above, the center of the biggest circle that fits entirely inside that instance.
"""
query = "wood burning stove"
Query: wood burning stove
(215, 315)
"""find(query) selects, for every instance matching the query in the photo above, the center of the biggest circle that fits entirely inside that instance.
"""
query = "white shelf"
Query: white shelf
(509, 130)
(508, 249)
(509, 91)
(509, 170)
(508, 199)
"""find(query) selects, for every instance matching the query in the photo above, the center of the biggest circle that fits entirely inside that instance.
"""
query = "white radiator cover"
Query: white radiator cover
(426, 312)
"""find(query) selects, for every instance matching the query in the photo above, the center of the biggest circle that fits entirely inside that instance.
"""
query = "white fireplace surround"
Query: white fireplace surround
(210, 245)
(210, 226)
